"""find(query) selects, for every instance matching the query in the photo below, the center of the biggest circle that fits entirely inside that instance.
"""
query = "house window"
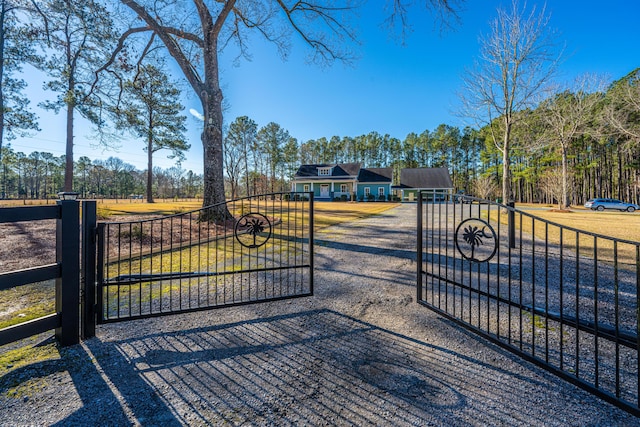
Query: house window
(367, 191)
(380, 191)
(305, 187)
(324, 171)
(343, 188)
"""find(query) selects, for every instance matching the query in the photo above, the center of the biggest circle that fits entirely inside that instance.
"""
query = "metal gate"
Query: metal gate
(567, 300)
(180, 263)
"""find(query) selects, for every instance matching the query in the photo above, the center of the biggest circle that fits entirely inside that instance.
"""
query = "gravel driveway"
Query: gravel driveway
(360, 352)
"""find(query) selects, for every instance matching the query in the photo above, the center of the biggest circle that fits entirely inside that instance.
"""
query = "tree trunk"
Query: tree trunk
(246, 166)
(2, 64)
(214, 197)
(565, 179)
(150, 170)
(68, 169)
(507, 195)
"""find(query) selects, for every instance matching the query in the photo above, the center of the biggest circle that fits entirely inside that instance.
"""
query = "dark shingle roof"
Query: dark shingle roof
(425, 178)
(375, 175)
(339, 170)
(346, 169)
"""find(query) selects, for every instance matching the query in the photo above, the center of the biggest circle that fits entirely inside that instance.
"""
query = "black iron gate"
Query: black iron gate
(179, 263)
(565, 299)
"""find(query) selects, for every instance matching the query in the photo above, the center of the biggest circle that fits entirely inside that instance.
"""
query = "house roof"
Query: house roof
(375, 175)
(338, 170)
(425, 178)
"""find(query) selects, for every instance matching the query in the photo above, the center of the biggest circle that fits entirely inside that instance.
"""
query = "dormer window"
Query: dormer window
(324, 171)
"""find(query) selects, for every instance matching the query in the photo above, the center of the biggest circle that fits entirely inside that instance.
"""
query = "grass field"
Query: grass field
(325, 214)
(609, 224)
(621, 225)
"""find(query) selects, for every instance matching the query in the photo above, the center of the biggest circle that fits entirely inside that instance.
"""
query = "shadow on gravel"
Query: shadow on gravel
(89, 396)
(373, 250)
(314, 367)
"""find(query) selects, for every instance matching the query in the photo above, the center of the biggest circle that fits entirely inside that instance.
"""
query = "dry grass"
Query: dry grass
(606, 225)
(109, 209)
(613, 224)
(326, 213)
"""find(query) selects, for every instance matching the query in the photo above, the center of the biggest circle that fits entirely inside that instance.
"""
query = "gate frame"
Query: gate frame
(93, 262)
(599, 331)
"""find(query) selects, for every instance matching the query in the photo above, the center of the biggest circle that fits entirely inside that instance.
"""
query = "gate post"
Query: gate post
(88, 268)
(511, 222)
(419, 249)
(68, 282)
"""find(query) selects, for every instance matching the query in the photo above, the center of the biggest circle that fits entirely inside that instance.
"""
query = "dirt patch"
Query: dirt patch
(27, 244)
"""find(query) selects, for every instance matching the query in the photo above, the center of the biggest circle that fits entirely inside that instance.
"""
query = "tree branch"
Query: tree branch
(172, 46)
(324, 13)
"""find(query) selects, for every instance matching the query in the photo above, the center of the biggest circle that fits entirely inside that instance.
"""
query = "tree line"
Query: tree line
(41, 175)
(107, 64)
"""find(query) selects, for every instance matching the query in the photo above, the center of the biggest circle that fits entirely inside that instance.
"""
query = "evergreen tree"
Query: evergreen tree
(15, 50)
(77, 35)
(240, 138)
(151, 111)
(273, 138)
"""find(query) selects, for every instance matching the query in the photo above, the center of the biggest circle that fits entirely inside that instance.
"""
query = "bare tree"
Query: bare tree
(234, 159)
(623, 109)
(553, 183)
(195, 31)
(517, 61)
(485, 187)
(567, 116)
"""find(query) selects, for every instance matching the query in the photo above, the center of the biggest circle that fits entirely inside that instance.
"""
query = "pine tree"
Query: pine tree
(151, 111)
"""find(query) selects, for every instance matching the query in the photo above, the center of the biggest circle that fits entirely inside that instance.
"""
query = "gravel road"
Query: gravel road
(360, 352)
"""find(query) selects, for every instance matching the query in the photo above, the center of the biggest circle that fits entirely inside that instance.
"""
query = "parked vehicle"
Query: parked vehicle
(461, 197)
(602, 204)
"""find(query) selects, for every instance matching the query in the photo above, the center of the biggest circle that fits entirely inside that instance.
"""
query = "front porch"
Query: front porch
(325, 191)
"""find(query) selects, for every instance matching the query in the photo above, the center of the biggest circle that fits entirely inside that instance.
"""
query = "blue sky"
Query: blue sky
(391, 89)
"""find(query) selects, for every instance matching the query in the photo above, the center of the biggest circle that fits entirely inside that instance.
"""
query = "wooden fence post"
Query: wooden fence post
(88, 269)
(68, 284)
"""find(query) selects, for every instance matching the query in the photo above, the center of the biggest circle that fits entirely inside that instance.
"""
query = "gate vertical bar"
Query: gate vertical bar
(419, 249)
(511, 224)
(68, 284)
(99, 310)
(311, 237)
(88, 269)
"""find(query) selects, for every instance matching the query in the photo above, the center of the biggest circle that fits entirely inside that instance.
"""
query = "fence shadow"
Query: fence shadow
(311, 367)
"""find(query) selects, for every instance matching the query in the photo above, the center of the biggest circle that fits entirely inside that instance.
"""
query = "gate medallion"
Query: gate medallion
(253, 230)
(475, 233)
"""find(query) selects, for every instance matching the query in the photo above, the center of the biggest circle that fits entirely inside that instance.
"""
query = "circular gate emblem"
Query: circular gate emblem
(253, 230)
(476, 233)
